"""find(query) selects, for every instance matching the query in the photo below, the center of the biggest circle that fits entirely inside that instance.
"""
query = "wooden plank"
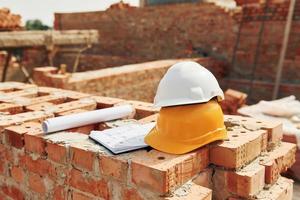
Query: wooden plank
(43, 38)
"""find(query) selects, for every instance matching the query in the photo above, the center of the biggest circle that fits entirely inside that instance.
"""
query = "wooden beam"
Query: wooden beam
(21, 39)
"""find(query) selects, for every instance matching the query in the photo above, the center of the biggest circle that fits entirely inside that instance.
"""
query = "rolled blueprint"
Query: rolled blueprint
(85, 118)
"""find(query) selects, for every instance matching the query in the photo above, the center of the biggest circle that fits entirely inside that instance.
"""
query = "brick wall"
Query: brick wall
(133, 82)
(93, 62)
(274, 14)
(189, 30)
(260, 90)
(139, 32)
(69, 165)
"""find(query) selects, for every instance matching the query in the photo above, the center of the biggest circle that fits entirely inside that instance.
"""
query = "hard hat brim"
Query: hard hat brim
(180, 102)
(167, 145)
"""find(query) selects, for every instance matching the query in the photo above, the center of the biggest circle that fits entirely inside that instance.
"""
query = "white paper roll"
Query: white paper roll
(85, 118)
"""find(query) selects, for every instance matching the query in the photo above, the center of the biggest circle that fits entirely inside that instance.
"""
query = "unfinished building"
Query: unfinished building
(69, 165)
(239, 45)
(247, 38)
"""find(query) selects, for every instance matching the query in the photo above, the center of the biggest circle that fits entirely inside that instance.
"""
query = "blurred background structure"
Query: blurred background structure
(246, 35)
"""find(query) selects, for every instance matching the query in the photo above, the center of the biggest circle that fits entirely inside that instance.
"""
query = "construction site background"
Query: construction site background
(189, 30)
(131, 35)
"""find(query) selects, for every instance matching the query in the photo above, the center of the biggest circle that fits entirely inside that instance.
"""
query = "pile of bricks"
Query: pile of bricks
(233, 101)
(68, 165)
(9, 21)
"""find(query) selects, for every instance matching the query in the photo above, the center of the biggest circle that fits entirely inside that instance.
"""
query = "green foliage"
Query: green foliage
(36, 24)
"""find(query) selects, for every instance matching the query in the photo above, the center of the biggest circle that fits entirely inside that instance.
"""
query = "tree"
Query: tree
(36, 24)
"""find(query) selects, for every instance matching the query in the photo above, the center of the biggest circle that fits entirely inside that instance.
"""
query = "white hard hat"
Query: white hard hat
(187, 83)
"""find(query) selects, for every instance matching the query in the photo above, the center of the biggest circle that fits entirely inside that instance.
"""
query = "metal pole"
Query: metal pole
(258, 46)
(284, 47)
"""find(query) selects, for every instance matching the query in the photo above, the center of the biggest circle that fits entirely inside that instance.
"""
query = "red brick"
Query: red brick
(70, 112)
(72, 95)
(278, 161)
(81, 196)
(38, 166)
(59, 193)
(161, 172)
(36, 116)
(12, 86)
(2, 167)
(204, 178)
(36, 183)
(40, 72)
(86, 104)
(83, 129)
(15, 139)
(113, 167)
(151, 118)
(241, 148)
(43, 91)
(15, 134)
(244, 183)
(274, 129)
(83, 158)
(26, 133)
(35, 143)
(13, 192)
(11, 108)
(30, 92)
(106, 102)
(196, 192)
(88, 184)
(282, 190)
(55, 99)
(5, 153)
(17, 173)
(131, 194)
(57, 152)
(240, 96)
(143, 109)
(2, 196)
(44, 106)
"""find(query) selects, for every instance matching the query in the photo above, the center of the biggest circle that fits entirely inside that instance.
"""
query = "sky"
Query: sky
(45, 9)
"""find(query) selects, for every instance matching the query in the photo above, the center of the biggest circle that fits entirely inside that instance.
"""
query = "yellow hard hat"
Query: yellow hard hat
(181, 129)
